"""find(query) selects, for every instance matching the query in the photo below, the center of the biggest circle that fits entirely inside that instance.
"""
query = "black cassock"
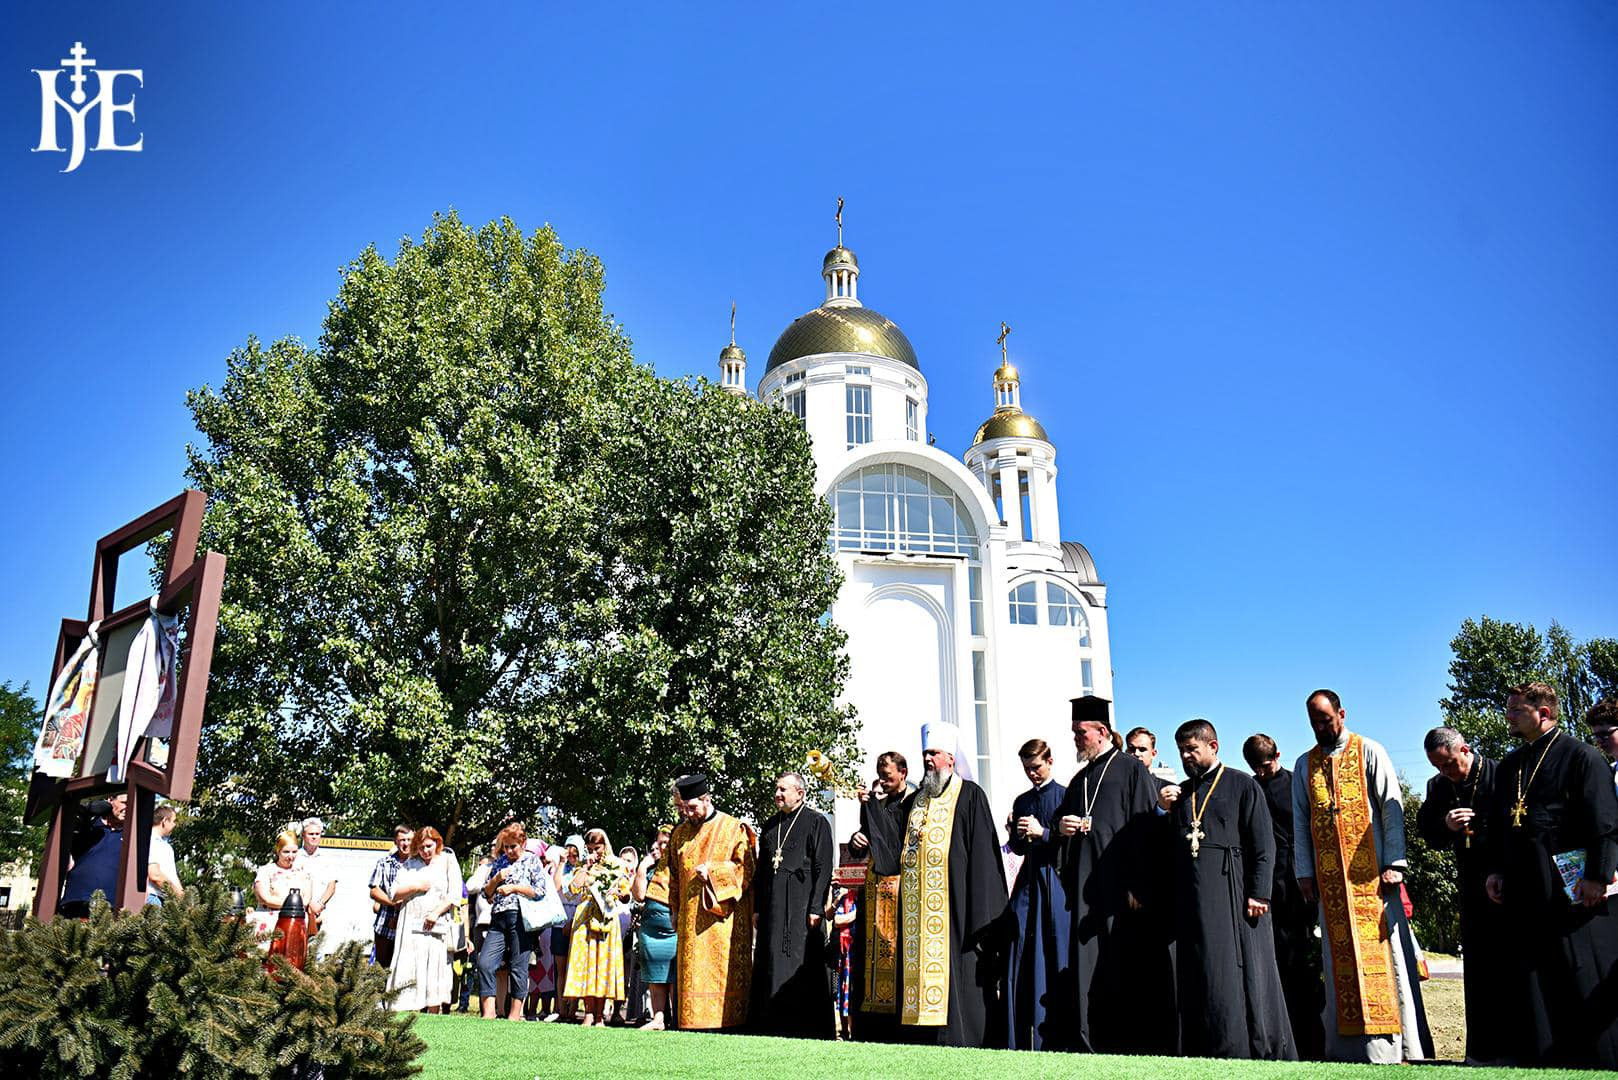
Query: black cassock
(1231, 1004)
(883, 823)
(1293, 920)
(1484, 933)
(1120, 971)
(977, 898)
(1563, 957)
(791, 987)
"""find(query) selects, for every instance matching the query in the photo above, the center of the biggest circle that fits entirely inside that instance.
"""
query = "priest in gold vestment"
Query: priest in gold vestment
(711, 903)
(1349, 851)
(952, 891)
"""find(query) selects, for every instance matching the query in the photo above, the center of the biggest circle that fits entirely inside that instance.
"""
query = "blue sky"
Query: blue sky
(1316, 301)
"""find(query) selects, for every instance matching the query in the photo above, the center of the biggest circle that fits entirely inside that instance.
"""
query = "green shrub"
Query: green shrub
(179, 990)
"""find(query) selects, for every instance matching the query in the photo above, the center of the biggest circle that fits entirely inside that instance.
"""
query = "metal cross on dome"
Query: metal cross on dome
(189, 591)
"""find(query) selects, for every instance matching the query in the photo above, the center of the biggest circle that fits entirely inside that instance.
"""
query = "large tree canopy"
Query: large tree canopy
(482, 562)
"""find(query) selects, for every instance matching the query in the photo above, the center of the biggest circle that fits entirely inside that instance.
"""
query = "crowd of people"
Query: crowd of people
(1239, 914)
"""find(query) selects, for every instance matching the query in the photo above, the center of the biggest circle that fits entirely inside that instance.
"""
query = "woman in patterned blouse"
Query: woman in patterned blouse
(515, 874)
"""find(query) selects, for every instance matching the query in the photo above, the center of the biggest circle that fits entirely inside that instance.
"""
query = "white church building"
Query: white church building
(960, 599)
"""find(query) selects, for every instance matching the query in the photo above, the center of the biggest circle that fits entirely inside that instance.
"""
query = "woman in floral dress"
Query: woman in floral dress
(595, 966)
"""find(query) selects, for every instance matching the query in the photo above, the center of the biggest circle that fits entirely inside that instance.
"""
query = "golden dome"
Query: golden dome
(839, 256)
(732, 352)
(1010, 423)
(1005, 373)
(842, 330)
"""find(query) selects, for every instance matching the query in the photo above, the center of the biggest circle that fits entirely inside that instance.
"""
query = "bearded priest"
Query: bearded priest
(791, 886)
(1223, 846)
(711, 904)
(952, 891)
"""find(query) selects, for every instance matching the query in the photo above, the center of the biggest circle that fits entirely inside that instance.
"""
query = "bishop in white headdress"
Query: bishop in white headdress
(952, 888)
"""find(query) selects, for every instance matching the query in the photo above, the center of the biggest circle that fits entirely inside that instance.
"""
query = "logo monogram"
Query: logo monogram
(78, 109)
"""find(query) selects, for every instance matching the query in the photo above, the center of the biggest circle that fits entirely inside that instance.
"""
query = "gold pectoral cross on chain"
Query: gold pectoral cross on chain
(1519, 812)
(1196, 836)
(775, 860)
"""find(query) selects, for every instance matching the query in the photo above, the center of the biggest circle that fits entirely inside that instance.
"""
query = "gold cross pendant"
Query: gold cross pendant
(775, 860)
(1196, 836)
(1518, 812)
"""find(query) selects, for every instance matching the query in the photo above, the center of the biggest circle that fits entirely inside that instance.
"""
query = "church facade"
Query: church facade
(960, 599)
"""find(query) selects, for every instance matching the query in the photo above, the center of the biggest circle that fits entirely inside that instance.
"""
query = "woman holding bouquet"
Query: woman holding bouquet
(595, 967)
(427, 889)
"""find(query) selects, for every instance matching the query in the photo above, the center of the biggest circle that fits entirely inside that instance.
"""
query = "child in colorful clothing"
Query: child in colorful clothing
(843, 912)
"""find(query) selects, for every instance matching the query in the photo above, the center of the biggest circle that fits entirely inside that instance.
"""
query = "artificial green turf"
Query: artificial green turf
(462, 1046)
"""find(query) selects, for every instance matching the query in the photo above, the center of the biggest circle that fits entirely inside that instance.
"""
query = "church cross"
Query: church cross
(839, 221)
(733, 322)
(1001, 340)
(78, 63)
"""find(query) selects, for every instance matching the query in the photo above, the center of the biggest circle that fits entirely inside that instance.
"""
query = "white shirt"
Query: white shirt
(317, 866)
(162, 857)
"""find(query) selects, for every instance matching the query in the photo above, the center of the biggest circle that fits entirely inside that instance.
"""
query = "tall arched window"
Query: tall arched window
(1064, 609)
(900, 508)
(1025, 605)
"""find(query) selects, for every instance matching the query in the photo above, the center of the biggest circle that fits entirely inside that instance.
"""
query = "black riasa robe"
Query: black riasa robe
(1293, 920)
(1484, 932)
(977, 899)
(1231, 1004)
(791, 982)
(882, 821)
(1121, 977)
(1038, 927)
(1563, 957)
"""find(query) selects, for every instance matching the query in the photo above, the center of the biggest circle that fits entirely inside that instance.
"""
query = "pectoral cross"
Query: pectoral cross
(1196, 836)
(775, 860)
(1518, 812)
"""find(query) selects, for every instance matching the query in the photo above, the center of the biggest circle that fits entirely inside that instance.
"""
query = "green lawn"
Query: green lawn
(461, 1046)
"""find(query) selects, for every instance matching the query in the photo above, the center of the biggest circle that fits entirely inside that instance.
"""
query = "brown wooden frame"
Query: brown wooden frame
(188, 581)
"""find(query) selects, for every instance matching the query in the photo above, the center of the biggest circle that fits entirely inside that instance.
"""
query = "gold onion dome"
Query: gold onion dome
(1006, 372)
(842, 330)
(839, 256)
(1010, 423)
(732, 351)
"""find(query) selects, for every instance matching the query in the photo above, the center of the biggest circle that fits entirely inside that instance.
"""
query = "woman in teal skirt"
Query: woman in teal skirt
(651, 887)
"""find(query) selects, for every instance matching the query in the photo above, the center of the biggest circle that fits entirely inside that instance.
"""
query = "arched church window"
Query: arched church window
(1065, 610)
(1025, 605)
(900, 508)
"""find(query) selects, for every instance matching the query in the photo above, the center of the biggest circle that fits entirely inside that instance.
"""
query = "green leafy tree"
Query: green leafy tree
(1491, 656)
(483, 563)
(20, 718)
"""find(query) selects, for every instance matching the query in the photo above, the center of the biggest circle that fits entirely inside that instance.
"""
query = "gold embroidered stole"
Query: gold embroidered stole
(881, 901)
(1349, 881)
(924, 908)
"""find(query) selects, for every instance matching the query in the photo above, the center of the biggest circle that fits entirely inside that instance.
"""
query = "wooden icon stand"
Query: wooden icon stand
(190, 590)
